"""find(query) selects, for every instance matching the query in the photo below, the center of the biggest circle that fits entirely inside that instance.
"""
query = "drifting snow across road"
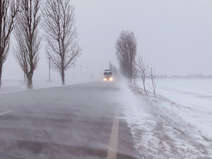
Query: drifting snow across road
(14, 86)
(158, 132)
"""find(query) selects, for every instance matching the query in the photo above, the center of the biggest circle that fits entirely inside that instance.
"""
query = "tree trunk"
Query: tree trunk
(63, 76)
(29, 81)
(153, 85)
(1, 68)
(144, 85)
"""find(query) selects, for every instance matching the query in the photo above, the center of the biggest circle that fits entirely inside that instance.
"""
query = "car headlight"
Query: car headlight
(111, 79)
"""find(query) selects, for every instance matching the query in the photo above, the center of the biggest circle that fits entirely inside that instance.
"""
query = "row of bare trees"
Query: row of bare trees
(24, 17)
(8, 11)
(131, 65)
(144, 73)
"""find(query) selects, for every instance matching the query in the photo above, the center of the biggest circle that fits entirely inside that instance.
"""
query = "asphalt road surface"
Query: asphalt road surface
(76, 122)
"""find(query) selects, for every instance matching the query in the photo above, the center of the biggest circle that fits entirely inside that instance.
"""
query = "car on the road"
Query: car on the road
(108, 75)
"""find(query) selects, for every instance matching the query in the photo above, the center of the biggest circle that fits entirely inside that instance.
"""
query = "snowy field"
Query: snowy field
(12, 86)
(178, 124)
(194, 100)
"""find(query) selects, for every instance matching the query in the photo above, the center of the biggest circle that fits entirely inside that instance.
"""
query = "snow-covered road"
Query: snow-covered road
(96, 121)
(74, 122)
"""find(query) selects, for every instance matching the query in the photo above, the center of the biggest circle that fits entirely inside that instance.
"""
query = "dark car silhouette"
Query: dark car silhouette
(108, 75)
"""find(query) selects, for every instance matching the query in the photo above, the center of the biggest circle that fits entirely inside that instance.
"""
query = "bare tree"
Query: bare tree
(142, 71)
(62, 36)
(152, 77)
(28, 41)
(126, 50)
(8, 12)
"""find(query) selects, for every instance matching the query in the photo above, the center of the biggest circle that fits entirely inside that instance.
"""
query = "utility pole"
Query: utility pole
(49, 69)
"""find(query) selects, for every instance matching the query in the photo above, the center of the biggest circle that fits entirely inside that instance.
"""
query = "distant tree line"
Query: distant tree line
(131, 64)
(24, 18)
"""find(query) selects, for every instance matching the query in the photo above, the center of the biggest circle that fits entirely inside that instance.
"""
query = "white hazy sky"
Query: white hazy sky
(174, 36)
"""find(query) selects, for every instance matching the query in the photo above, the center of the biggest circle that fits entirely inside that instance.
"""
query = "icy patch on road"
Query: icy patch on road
(159, 132)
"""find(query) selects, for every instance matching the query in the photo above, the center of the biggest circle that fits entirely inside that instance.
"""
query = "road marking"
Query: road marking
(114, 140)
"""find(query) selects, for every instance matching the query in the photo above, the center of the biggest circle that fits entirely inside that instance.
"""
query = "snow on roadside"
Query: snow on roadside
(193, 101)
(158, 131)
(12, 86)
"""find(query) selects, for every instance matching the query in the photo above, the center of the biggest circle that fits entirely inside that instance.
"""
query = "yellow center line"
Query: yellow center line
(114, 140)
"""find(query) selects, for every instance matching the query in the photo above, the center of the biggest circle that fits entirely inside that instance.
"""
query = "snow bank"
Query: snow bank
(158, 129)
(193, 99)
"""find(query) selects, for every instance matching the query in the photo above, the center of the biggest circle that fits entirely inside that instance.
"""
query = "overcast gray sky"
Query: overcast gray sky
(174, 36)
